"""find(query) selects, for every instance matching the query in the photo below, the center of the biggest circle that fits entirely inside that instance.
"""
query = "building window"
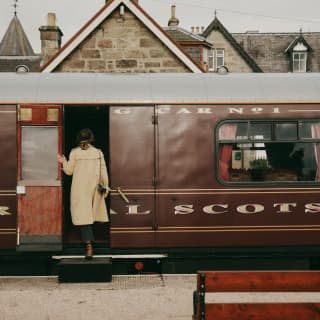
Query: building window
(219, 58)
(268, 151)
(216, 59)
(211, 60)
(299, 61)
(298, 52)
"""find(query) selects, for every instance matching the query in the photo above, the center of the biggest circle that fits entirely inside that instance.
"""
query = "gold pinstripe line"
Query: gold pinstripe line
(212, 231)
(218, 193)
(311, 227)
(239, 230)
(220, 189)
(263, 226)
(304, 110)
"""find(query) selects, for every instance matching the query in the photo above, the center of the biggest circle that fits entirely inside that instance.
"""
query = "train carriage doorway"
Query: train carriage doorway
(76, 118)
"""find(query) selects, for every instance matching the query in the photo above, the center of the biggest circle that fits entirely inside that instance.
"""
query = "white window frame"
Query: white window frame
(299, 61)
(211, 60)
(219, 55)
(213, 57)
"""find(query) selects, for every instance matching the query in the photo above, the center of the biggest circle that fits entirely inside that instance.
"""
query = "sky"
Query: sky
(235, 15)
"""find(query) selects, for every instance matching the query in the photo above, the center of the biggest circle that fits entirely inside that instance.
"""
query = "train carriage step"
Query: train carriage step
(82, 270)
(114, 256)
(126, 263)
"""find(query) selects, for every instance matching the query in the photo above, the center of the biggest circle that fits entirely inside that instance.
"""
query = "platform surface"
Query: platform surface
(147, 297)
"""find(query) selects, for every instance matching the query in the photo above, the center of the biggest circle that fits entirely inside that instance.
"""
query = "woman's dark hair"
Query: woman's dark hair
(84, 138)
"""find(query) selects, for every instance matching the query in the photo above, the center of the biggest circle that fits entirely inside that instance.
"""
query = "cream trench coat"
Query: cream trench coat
(87, 204)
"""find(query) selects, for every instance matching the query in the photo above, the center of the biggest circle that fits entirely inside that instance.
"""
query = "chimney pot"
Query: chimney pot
(51, 19)
(173, 21)
(173, 11)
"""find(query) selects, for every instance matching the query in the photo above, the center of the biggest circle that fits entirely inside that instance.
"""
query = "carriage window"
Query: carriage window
(260, 131)
(286, 131)
(269, 151)
(39, 147)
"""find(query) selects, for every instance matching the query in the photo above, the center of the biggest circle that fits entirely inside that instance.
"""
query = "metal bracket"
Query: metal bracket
(155, 181)
(154, 119)
(202, 296)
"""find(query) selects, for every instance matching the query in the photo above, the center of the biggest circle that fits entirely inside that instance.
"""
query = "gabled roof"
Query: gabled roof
(217, 25)
(182, 35)
(296, 41)
(101, 15)
(15, 41)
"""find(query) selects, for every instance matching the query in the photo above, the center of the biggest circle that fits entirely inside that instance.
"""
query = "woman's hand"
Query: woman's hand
(61, 158)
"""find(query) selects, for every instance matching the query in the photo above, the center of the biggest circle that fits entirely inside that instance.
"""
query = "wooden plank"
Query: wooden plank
(253, 281)
(262, 311)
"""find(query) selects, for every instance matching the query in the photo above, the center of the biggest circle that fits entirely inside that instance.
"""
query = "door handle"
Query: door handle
(122, 195)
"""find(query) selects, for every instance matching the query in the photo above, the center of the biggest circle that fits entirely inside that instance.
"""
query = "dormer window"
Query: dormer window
(298, 52)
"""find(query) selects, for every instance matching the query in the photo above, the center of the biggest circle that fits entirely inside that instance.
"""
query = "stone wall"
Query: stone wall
(233, 61)
(122, 44)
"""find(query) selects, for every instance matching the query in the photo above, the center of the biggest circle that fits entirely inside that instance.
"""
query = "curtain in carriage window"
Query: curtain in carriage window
(226, 132)
(315, 131)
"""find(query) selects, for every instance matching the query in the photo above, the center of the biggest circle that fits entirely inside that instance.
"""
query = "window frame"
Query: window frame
(24, 157)
(272, 140)
(213, 57)
(219, 55)
(38, 115)
(302, 63)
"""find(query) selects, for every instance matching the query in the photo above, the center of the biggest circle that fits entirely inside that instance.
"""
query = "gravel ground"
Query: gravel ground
(126, 297)
(146, 297)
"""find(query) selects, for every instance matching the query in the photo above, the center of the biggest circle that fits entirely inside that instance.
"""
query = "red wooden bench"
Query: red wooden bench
(256, 281)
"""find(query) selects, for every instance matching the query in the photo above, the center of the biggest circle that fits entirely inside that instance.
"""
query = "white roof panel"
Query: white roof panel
(90, 88)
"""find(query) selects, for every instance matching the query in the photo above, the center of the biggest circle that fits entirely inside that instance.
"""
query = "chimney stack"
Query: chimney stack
(50, 36)
(173, 21)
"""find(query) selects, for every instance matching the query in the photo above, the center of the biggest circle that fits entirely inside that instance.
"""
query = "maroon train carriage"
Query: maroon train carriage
(222, 162)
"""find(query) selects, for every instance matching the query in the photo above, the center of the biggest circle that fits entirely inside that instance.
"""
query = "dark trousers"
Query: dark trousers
(87, 233)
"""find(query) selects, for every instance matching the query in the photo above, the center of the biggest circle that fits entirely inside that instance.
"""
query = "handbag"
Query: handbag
(101, 188)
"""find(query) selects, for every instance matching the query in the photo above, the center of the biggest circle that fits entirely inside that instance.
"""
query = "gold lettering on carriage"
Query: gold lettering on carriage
(224, 208)
(247, 208)
(201, 110)
(4, 211)
(133, 209)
